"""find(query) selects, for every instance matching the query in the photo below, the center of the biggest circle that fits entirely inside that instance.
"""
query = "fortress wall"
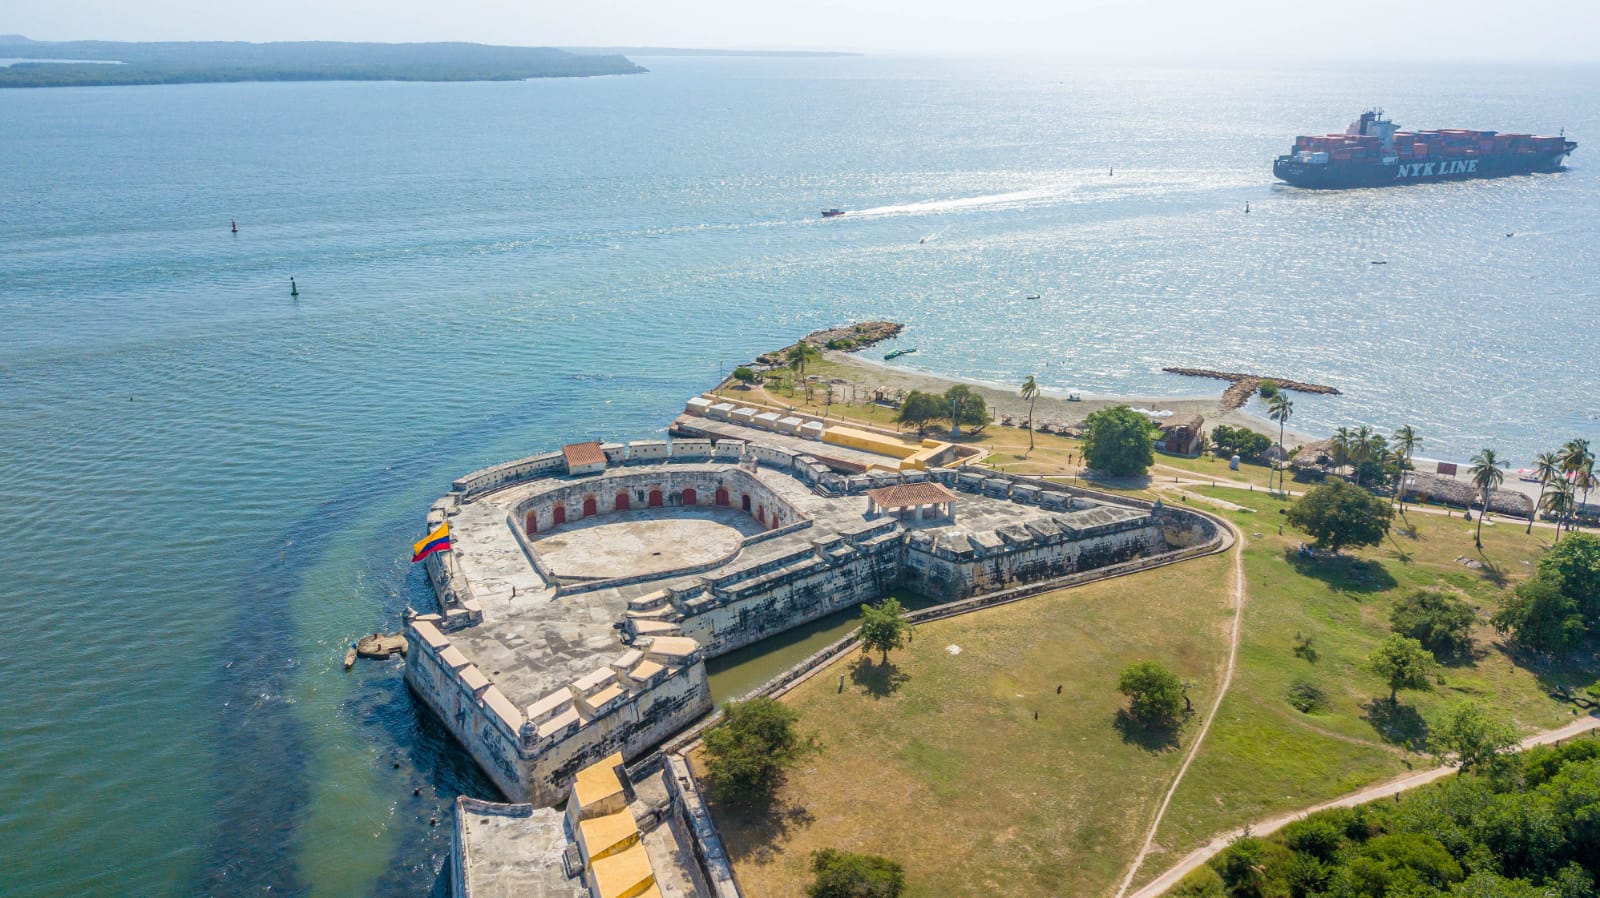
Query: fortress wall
(801, 592)
(475, 712)
(632, 726)
(940, 573)
(671, 483)
(511, 472)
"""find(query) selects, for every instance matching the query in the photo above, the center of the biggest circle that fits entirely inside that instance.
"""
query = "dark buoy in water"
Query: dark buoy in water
(1247, 208)
(293, 289)
(235, 227)
(1112, 173)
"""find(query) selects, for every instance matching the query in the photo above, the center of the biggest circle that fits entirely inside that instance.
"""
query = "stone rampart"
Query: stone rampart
(668, 487)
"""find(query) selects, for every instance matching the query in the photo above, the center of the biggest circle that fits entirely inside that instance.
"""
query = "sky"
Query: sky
(1131, 30)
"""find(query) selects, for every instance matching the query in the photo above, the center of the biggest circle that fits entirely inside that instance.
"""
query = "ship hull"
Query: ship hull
(1340, 175)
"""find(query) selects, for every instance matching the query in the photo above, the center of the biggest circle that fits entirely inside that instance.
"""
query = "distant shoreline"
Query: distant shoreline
(84, 63)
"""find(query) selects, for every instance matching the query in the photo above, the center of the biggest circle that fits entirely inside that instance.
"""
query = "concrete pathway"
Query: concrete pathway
(1191, 861)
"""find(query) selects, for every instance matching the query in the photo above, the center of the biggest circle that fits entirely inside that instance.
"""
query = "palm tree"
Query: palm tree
(1559, 504)
(1577, 462)
(1030, 392)
(1364, 448)
(1279, 408)
(1486, 476)
(1546, 467)
(801, 352)
(1339, 446)
(1406, 442)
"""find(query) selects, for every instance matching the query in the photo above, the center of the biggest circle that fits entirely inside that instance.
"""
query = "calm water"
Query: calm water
(211, 488)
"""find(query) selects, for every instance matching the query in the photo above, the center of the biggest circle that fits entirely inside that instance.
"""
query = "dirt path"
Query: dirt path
(1211, 715)
(1384, 789)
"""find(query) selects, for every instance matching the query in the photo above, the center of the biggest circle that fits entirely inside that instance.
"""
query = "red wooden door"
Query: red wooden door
(622, 500)
(589, 506)
(531, 524)
(560, 514)
(655, 498)
(722, 497)
(690, 497)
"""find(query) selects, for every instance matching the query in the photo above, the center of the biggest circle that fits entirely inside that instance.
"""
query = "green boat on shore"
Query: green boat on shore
(897, 353)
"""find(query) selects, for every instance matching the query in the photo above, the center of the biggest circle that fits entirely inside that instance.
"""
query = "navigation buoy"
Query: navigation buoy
(1113, 172)
(293, 289)
(1247, 208)
(235, 227)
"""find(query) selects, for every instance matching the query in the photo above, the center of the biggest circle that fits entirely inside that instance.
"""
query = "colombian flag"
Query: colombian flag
(437, 541)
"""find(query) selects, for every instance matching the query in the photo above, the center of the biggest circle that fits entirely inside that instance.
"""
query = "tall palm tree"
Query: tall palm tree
(1030, 392)
(1546, 467)
(1365, 447)
(1486, 476)
(1406, 442)
(803, 353)
(1577, 462)
(1279, 408)
(1559, 504)
(1339, 447)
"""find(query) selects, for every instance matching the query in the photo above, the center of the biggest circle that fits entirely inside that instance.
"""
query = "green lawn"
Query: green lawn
(941, 764)
(1263, 756)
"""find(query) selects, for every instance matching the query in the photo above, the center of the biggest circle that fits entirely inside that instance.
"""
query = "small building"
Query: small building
(924, 501)
(1182, 437)
(743, 416)
(766, 420)
(813, 430)
(699, 406)
(721, 411)
(584, 458)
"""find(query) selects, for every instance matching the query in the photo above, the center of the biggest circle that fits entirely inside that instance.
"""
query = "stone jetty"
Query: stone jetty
(1245, 385)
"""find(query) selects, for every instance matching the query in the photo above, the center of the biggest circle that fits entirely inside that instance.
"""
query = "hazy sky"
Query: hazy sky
(1218, 30)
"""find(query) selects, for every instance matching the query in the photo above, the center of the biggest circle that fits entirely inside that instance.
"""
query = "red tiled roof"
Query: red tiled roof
(580, 454)
(906, 495)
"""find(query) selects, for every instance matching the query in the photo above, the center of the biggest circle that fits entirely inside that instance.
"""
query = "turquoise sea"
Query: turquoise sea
(211, 487)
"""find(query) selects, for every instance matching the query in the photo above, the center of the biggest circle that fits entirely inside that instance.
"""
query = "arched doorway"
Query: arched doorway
(589, 506)
(690, 497)
(746, 498)
(622, 500)
(722, 496)
(761, 514)
(560, 515)
(530, 524)
(655, 498)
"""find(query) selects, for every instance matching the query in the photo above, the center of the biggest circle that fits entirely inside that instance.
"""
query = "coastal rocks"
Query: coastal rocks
(847, 338)
(1245, 385)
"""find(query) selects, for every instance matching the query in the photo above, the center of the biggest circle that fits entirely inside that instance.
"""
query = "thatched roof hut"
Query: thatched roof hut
(1315, 454)
(1461, 493)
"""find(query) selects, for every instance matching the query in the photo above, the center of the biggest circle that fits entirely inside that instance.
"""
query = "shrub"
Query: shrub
(1203, 882)
(1306, 697)
(745, 374)
(844, 343)
(840, 874)
(1240, 441)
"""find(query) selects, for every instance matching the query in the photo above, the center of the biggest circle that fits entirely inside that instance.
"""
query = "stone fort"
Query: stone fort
(586, 588)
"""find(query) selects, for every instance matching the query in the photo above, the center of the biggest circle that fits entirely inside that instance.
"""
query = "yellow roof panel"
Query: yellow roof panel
(603, 836)
(598, 781)
(626, 874)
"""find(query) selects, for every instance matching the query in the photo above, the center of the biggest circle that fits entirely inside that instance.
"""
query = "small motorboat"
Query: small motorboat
(897, 353)
(1033, 296)
(832, 213)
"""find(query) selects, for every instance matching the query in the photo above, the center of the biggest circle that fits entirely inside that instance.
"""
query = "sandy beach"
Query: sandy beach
(1053, 407)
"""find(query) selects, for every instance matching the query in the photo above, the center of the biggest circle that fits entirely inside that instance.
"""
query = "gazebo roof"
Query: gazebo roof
(909, 495)
(580, 454)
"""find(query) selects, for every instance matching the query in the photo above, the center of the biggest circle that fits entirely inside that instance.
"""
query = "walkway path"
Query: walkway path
(1384, 789)
(1211, 715)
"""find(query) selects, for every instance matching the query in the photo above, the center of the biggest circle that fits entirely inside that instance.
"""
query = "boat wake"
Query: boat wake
(932, 207)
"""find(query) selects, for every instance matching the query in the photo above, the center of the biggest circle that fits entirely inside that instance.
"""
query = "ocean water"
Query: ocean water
(211, 487)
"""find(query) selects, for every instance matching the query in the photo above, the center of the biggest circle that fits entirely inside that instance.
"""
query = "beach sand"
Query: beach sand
(1052, 407)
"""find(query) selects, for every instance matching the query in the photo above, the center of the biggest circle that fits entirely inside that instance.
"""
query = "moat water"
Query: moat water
(211, 487)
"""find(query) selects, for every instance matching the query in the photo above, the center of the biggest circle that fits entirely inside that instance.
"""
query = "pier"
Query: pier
(1245, 385)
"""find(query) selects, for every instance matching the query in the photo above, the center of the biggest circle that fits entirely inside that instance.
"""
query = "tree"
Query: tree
(1279, 408)
(1240, 441)
(1118, 441)
(1402, 663)
(967, 406)
(745, 374)
(1405, 443)
(918, 409)
(801, 354)
(1540, 617)
(750, 750)
(1575, 562)
(840, 874)
(1561, 504)
(1577, 463)
(1546, 467)
(1365, 450)
(1486, 476)
(1438, 620)
(1030, 392)
(1338, 514)
(1339, 446)
(1470, 736)
(1155, 693)
(883, 628)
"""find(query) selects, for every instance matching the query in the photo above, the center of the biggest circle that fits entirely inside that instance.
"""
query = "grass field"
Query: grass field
(939, 762)
(1263, 756)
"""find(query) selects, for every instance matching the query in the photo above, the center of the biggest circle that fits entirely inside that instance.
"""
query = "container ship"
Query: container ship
(1374, 152)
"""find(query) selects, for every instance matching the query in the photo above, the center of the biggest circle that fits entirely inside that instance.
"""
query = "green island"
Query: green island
(101, 63)
(961, 759)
